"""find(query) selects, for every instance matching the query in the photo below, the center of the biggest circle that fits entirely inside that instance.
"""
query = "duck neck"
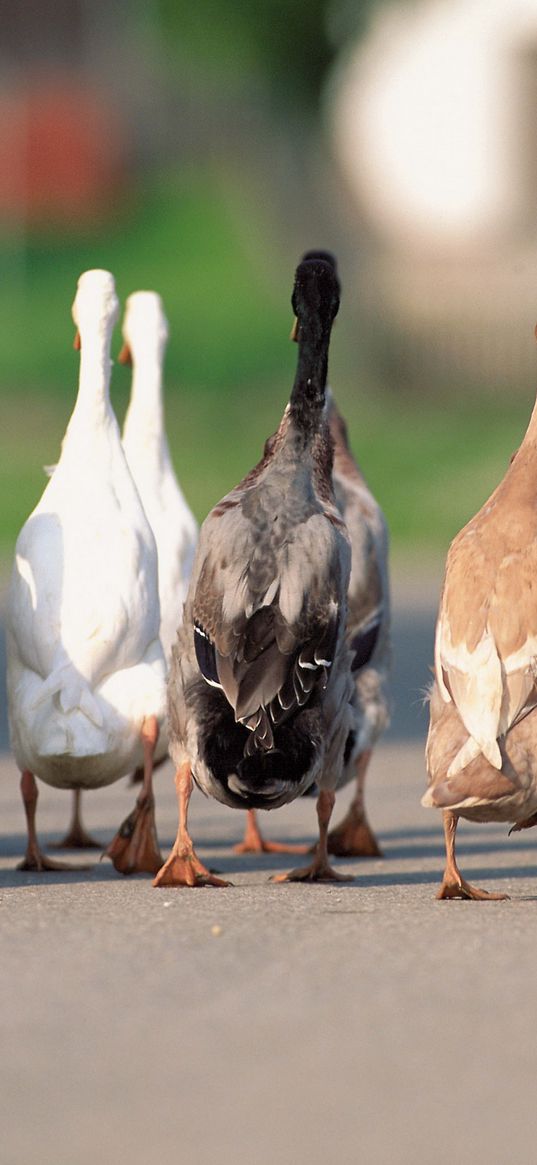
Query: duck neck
(308, 395)
(95, 368)
(530, 436)
(146, 411)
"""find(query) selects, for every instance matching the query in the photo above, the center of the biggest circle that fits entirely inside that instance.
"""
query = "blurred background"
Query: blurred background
(199, 149)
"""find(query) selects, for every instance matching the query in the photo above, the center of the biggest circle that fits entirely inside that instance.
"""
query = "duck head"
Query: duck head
(308, 257)
(145, 327)
(315, 303)
(95, 306)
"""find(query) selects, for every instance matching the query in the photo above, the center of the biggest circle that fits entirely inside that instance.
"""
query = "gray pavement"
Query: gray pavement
(272, 1024)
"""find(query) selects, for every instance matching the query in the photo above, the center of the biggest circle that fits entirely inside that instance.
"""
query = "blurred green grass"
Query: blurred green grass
(207, 246)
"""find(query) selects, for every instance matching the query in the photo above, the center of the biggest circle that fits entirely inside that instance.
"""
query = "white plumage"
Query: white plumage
(145, 332)
(86, 669)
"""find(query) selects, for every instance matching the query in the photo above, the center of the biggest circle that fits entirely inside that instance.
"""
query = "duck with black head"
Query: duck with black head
(260, 687)
(368, 634)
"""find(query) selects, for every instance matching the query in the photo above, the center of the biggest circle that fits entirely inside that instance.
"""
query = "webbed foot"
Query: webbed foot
(77, 838)
(135, 848)
(184, 868)
(253, 841)
(316, 872)
(38, 861)
(353, 838)
(462, 889)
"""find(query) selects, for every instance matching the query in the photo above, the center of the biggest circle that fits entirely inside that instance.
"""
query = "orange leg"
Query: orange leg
(453, 884)
(254, 842)
(183, 867)
(353, 837)
(319, 870)
(135, 848)
(137, 776)
(34, 858)
(76, 836)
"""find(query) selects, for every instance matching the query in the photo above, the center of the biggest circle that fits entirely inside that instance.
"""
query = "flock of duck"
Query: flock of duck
(256, 652)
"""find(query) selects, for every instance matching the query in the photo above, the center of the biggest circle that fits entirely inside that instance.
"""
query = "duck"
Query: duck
(145, 335)
(260, 685)
(86, 671)
(368, 633)
(482, 740)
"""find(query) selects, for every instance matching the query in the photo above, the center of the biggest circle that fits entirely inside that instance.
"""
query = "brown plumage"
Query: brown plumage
(483, 727)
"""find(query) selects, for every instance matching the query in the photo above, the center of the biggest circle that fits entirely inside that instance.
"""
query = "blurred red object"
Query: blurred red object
(62, 152)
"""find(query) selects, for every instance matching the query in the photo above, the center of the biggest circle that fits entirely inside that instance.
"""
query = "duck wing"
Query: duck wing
(486, 639)
(269, 603)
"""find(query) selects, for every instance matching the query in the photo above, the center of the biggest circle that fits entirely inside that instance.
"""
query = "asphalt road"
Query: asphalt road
(290, 1025)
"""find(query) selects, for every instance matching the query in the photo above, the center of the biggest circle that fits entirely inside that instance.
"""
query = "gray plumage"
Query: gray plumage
(368, 618)
(262, 651)
(268, 593)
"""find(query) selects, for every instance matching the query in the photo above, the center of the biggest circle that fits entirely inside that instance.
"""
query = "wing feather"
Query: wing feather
(273, 623)
(486, 638)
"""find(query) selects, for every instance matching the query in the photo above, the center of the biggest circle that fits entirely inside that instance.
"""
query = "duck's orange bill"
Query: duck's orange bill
(125, 356)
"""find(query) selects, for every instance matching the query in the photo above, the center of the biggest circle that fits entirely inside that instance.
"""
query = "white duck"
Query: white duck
(145, 332)
(86, 670)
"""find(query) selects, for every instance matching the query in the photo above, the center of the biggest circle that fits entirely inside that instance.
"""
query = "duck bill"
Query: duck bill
(76, 341)
(125, 356)
(294, 331)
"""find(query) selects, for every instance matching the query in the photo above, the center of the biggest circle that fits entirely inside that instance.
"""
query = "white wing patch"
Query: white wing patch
(490, 693)
(476, 685)
(444, 692)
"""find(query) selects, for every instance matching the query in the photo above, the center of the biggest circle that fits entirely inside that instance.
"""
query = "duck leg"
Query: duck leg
(137, 776)
(183, 867)
(319, 870)
(34, 858)
(353, 837)
(77, 837)
(453, 884)
(135, 848)
(254, 843)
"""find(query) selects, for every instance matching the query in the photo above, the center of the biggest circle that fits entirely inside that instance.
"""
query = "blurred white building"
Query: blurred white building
(434, 117)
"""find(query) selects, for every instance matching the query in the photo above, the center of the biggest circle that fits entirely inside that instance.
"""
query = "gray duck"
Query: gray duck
(368, 632)
(260, 688)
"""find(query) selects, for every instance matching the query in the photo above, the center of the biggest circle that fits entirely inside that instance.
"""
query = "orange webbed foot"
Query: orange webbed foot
(253, 841)
(38, 862)
(77, 838)
(316, 872)
(353, 839)
(268, 847)
(184, 868)
(135, 848)
(462, 889)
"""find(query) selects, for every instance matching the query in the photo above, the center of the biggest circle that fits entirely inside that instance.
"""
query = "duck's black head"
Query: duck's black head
(315, 298)
(325, 256)
(315, 303)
